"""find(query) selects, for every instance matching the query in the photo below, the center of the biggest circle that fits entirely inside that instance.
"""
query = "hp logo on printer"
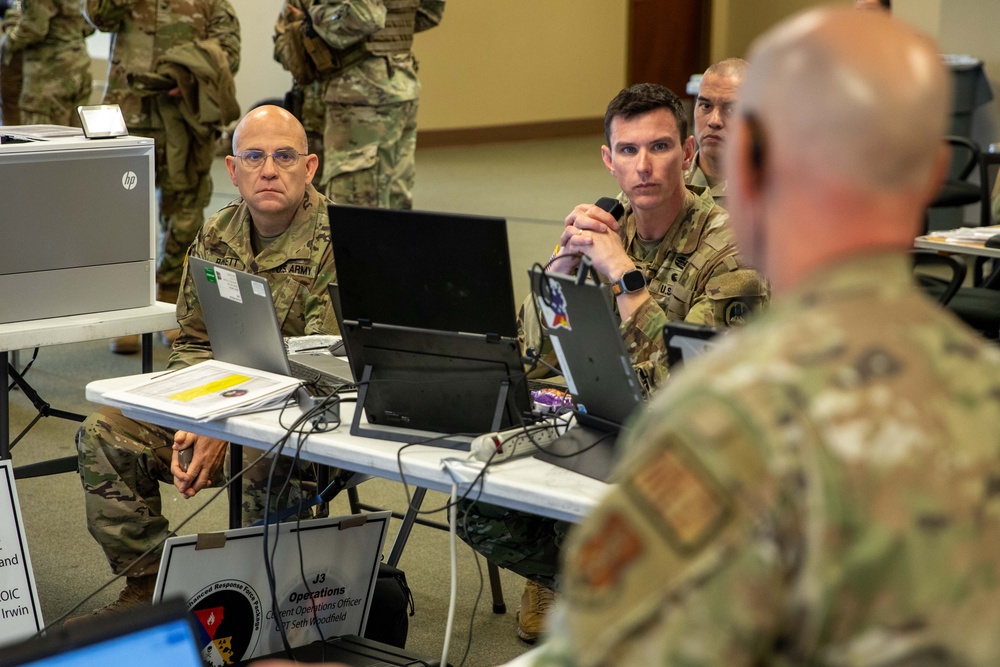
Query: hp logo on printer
(129, 180)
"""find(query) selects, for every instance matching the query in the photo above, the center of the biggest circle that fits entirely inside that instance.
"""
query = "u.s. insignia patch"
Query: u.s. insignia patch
(554, 307)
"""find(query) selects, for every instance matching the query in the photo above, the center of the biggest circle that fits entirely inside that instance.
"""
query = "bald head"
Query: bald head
(728, 68)
(271, 119)
(852, 96)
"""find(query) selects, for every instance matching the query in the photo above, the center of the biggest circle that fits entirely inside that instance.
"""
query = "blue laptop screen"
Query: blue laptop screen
(170, 644)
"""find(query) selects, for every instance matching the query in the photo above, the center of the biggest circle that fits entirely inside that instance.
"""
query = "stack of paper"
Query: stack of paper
(966, 234)
(209, 390)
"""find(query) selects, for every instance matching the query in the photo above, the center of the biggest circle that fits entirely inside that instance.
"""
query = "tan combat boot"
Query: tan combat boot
(536, 600)
(138, 592)
(125, 345)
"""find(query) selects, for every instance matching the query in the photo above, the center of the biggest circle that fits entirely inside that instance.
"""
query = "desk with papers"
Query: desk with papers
(964, 241)
(525, 484)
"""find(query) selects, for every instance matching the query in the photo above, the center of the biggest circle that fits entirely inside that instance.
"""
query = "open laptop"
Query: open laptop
(428, 319)
(161, 636)
(243, 326)
(584, 332)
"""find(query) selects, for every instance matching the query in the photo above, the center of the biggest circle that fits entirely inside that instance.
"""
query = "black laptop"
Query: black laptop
(584, 331)
(427, 304)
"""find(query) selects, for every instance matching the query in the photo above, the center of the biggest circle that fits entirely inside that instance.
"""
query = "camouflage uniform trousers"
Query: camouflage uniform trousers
(56, 82)
(370, 154)
(182, 213)
(123, 461)
(526, 544)
(313, 117)
(11, 76)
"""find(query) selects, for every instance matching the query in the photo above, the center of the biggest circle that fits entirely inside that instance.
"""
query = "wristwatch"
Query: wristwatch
(631, 281)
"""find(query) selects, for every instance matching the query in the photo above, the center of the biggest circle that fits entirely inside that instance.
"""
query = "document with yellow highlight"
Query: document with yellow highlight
(210, 390)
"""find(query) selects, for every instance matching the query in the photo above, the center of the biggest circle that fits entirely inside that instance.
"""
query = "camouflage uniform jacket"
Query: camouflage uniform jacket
(298, 266)
(145, 29)
(822, 489)
(695, 176)
(376, 80)
(48, 26)
(684, 280)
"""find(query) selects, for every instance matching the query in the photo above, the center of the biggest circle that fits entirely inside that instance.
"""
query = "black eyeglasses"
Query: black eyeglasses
(285, 158)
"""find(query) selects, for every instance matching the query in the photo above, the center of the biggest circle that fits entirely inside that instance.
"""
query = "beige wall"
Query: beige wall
(502, 62)
(735, 23)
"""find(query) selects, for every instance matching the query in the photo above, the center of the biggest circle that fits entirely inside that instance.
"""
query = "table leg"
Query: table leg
(147, 352)
(4, 409)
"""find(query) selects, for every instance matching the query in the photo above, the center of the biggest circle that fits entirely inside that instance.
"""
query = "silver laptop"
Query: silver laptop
(243, 327)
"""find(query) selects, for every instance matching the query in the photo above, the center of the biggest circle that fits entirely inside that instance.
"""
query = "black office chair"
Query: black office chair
(979, 307)
(958, 191)
(941, 289)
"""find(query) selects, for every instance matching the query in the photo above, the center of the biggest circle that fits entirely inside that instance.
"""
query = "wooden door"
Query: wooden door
(668, 41)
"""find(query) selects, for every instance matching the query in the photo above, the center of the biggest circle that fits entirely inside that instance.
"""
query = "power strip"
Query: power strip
(520, 441)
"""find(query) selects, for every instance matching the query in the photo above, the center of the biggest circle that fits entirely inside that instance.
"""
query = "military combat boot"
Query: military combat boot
(536, 600)
(138, 592)
(125, 344)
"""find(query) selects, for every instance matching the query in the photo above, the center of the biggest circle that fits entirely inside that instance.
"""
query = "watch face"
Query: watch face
(633, 281)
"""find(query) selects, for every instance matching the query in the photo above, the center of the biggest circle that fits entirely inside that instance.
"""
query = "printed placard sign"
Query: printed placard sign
(20, 611)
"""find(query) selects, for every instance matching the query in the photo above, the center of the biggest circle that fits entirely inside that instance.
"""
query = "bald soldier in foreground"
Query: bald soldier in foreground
(823, 488)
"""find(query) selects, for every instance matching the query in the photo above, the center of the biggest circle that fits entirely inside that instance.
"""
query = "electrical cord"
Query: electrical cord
(452, 555)
(234, 478)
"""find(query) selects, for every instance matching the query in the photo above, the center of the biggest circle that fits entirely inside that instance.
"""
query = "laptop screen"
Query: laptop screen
(424, 270)
(162, 638)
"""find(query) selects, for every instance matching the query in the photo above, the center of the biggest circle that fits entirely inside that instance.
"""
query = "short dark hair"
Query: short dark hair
(886, 3)
(643, 98)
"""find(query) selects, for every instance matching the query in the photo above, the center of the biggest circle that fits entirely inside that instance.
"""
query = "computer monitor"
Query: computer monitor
(435, 383)
(425, 270)
(428, 309)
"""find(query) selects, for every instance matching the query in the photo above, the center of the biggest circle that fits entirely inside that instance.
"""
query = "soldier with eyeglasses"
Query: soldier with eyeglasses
(277, 228)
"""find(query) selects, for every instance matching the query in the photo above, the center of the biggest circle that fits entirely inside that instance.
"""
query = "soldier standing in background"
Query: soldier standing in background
(294, 39)
(370, 79)
(145, 32)
(10, 68)
(55, 64)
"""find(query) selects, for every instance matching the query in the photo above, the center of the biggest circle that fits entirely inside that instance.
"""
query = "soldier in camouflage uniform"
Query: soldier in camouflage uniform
(11, 72)
(55, 64)
(371, 91)
(278, 229)
(673, 235)
(821, 489)
(712, 109)
(291, 28)
(681, 244)
(144, 31)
